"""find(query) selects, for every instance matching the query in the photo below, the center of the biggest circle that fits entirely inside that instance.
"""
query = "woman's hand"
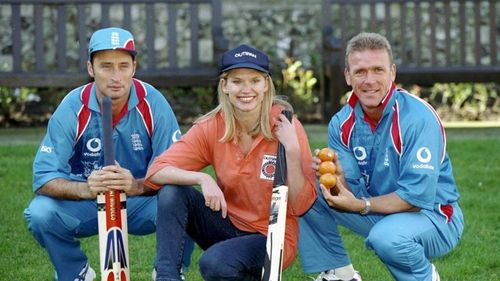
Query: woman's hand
(286, 134)
(214, 198)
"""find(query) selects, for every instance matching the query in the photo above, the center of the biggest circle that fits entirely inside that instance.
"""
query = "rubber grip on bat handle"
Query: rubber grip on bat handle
(107, 132)
(280, 174)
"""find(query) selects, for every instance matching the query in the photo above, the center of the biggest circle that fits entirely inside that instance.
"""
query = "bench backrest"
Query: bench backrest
(432, 41)
(178, 41)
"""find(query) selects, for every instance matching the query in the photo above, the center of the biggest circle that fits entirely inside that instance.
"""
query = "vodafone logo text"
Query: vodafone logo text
(94, 146)
(424, 156)
(360, 154)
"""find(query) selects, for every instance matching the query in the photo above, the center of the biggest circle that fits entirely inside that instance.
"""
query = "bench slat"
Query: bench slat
(493, 32)
(447, 28)
(39, 42)
(462, 20)
(127, 17)
(104, 15)
(61, 38)
(16, 38)
(193, 12)
(477, 32)
(433, 19)
(82, 37)
(172, 35)
(150, 33)
(418, 33)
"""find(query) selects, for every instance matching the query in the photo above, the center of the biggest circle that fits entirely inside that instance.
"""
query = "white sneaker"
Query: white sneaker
(87, 274)
(329, 275)
(153, 274)
(435, 274)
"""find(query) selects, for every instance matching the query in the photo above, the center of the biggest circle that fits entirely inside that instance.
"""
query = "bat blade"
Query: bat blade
(112, 214)
(273, 263)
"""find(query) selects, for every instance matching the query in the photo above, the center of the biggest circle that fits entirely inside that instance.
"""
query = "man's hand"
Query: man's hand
(339, 173)
(114, 177)
(344, 200)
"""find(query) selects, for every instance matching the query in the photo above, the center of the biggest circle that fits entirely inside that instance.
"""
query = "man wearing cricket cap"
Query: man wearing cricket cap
(68, 168)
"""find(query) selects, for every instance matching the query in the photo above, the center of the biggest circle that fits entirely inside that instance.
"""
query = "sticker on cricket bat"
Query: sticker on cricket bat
(112, 214)
(273, 263)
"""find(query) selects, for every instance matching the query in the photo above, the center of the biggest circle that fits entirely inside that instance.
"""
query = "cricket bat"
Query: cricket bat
(273, 263)
(112, 214)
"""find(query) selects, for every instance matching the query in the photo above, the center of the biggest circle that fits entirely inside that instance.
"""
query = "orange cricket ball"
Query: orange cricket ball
(326, 154)
(326, 167)
(328, 180)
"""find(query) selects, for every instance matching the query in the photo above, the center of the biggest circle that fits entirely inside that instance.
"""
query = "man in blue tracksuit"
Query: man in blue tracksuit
(68, 168)
(395, 180)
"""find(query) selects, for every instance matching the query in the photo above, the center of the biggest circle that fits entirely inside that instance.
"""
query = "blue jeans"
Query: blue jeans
(56, 225)
(230, 254)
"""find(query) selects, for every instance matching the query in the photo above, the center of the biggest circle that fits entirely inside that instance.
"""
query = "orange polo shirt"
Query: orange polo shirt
(246, 181)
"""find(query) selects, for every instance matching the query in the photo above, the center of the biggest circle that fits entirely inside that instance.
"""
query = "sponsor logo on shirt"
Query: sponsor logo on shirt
(360, 155)
(268, 167)
(386, 158)
(46, 149)
(176, 136)
(89, 166)
(136, 142)
(366, 177)
(94, 146)
(424, 156)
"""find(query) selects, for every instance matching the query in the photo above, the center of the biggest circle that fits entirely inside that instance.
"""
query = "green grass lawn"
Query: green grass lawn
(475, 157)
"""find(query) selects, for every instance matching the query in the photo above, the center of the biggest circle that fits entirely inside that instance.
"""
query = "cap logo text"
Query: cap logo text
(242, 54)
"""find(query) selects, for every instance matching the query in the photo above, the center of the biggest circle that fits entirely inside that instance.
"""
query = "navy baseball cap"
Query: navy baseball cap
(112, 38)
(244, 56)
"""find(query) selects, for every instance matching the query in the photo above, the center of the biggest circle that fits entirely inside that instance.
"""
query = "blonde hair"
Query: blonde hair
(367, 41)
(262, 127)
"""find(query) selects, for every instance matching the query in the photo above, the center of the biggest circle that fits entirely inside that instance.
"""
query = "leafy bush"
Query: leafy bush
(454, 102)
(298, 84)
(465, 101)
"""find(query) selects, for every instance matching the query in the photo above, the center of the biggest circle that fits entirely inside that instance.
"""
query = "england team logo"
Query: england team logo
(136, 142)
(115, 39)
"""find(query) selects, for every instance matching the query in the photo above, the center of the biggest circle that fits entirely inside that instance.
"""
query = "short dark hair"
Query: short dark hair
(92, 57)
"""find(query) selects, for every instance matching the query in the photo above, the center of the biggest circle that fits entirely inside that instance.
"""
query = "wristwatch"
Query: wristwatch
(368, 207)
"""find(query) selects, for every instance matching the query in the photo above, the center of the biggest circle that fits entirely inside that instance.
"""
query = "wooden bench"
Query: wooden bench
(432, 41)
(179, 42)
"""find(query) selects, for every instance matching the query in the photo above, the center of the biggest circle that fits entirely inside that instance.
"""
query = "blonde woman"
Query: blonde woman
(229, 217)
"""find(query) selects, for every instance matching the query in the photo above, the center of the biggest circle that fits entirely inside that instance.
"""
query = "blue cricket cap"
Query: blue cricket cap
(112, 38)
(244, 56)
